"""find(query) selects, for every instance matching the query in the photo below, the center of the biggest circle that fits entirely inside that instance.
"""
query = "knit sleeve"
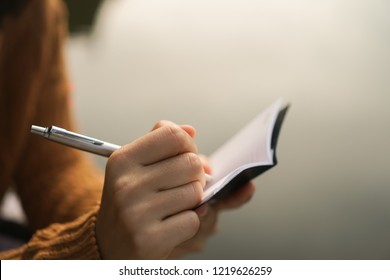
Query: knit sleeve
(59, 187)
(56, 184)
(75, 240)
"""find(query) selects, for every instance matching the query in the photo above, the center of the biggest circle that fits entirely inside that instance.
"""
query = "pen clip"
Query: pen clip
(75, 136)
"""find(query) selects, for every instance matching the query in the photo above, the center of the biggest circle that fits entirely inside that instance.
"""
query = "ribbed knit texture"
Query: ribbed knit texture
(75, 240)
(59, 187)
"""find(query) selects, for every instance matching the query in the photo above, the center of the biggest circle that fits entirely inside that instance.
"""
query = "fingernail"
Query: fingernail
(202, 210)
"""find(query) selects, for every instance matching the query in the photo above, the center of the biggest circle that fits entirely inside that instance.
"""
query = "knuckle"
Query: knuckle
(173, 130)
(160, 123)
(180, 139)
(194, 162)
(124, 182)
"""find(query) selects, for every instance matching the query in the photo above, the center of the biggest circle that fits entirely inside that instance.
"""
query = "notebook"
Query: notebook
(249, 153)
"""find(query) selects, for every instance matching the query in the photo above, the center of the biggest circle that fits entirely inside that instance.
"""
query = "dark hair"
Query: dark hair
(81, 13)
(10, 8)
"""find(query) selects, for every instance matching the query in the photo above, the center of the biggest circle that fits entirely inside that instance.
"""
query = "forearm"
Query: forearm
(59, 190)
(55, 183)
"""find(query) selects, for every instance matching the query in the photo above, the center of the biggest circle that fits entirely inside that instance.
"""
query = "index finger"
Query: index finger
(162, 143)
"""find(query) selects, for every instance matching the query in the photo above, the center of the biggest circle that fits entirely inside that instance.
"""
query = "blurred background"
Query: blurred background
(215, 64)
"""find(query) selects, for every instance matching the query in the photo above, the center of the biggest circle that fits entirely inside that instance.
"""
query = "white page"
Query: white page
(250, 147)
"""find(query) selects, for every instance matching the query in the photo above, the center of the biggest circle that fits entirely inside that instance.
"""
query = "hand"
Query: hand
(150, 187)
(209, 217)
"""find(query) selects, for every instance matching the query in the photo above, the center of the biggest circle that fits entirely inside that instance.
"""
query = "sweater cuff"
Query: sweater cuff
(74, 240)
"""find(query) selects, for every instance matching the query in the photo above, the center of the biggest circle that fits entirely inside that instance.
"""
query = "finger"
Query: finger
(170, 202)
(162, 123)
(202, 210)
(174, 172)
(237, 199)
(208, 227)
(187, 128)
(179, 228)
(159, 144)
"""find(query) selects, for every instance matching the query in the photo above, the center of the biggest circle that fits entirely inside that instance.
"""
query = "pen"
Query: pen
(79, 141)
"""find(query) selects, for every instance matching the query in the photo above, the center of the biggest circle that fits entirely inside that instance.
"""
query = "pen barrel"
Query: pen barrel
(81, 142)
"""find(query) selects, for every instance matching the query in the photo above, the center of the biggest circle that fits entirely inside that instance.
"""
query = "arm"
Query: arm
(58, 186)
(55, 183)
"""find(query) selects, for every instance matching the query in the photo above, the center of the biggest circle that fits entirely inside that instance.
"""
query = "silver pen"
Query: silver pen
(75, 140)
(79, 141)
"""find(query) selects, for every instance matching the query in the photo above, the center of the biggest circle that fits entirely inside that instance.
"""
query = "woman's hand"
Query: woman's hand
(150, 187)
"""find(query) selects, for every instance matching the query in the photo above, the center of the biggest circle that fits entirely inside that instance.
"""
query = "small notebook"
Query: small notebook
(249, 153)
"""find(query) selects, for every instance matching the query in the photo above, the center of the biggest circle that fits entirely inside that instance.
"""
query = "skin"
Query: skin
(151, 191)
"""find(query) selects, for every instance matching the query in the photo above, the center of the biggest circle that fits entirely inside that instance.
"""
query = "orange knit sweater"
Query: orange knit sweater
(59, 187)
